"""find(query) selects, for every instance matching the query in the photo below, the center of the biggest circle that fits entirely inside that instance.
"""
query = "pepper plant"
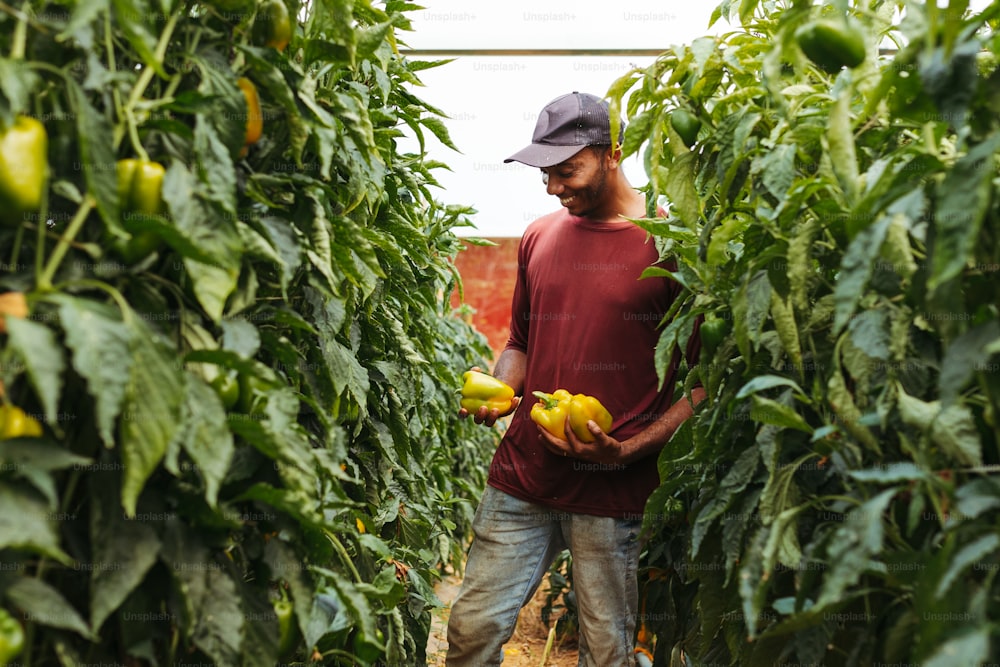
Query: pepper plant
(237, 338)
(836, 498)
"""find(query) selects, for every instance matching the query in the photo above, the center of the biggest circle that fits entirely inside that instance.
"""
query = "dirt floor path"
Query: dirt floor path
(526, 647)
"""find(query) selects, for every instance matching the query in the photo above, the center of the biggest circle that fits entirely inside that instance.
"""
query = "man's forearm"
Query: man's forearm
(511, 367)
(653, 438)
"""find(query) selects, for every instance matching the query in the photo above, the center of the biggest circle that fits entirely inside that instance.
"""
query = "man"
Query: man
(583, 321)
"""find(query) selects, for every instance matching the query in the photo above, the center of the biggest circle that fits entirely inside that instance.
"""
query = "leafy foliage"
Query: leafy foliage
(313, 268)
(835, 499)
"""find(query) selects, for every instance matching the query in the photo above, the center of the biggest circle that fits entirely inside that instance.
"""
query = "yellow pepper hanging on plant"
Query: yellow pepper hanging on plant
(255, 120)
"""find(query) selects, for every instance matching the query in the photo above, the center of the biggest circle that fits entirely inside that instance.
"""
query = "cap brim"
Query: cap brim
(544, 155)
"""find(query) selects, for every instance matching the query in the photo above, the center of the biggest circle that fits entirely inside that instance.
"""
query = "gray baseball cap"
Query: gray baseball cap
(565, 126)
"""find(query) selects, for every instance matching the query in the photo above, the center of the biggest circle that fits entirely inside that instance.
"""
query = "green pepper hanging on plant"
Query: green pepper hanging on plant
(24, 169)
(686, 125)
(712, 332)
(288, 630)
(11, 637)
(140, 185)
(272, 27)
(832, 43)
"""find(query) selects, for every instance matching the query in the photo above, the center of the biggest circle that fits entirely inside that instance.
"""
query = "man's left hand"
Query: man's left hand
(604, 449)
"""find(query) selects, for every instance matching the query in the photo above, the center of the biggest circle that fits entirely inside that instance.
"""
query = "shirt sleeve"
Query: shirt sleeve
(520, 307)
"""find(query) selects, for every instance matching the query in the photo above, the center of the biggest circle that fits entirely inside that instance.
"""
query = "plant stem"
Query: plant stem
(346, 557)
(145, 78)
(45, 279)
(117, 296)
(16, 249)
(20, 34)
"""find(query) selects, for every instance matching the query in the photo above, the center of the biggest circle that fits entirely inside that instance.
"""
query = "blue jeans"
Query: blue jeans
(513, 547)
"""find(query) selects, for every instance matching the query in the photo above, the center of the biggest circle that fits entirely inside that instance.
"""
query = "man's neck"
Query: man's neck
(626, 202)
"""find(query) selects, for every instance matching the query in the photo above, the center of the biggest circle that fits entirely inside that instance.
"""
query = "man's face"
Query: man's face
(579, 181)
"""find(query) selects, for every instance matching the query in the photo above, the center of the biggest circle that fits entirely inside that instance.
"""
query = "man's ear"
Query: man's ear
(614, 156)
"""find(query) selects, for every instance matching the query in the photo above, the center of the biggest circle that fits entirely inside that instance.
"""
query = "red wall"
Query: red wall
(488, 274)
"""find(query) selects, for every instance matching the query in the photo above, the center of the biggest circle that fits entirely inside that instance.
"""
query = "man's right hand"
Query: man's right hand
(486, 416)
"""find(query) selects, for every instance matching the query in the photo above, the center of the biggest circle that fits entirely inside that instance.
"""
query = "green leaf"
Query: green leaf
(852, 547)
(200, 229)
(767, 411)
(856, 269)
(123, 551)
(870, 334)
(783, 542)
(718, 247)
(32, 459)
(637, 131)
(218, 630)
(750, 311)
(765, 382)
(152, 410)
(747, 8)
(220, 124)
(673, 336)
(679, 186)
(384, 587)
(215, 167)
(355, 604)
(287, 567)
(186, 559)
(133, 17)
(890, 473)
(783, 317)
(781, 493)
(286, 244)
(967, 556)
(752, 582)
(240, 336)
(17, 80)
(965, 195)
(260, 627)
(954, 431)
(44, 455)
(777, 169)
(212, 285)
(439, 130)
(345, 368)
(733, 483)
(840, 138)
(26, 523)
(44, 605)
(207, 438)
(848, 414)
(977, 497)
(84, 13)
(42, 355)
(964, 356)
(100, 345)
(97, 156)
(915, 412)
(971, 648)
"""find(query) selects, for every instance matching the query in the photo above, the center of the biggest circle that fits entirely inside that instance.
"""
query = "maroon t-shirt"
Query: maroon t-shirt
(589, 325)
